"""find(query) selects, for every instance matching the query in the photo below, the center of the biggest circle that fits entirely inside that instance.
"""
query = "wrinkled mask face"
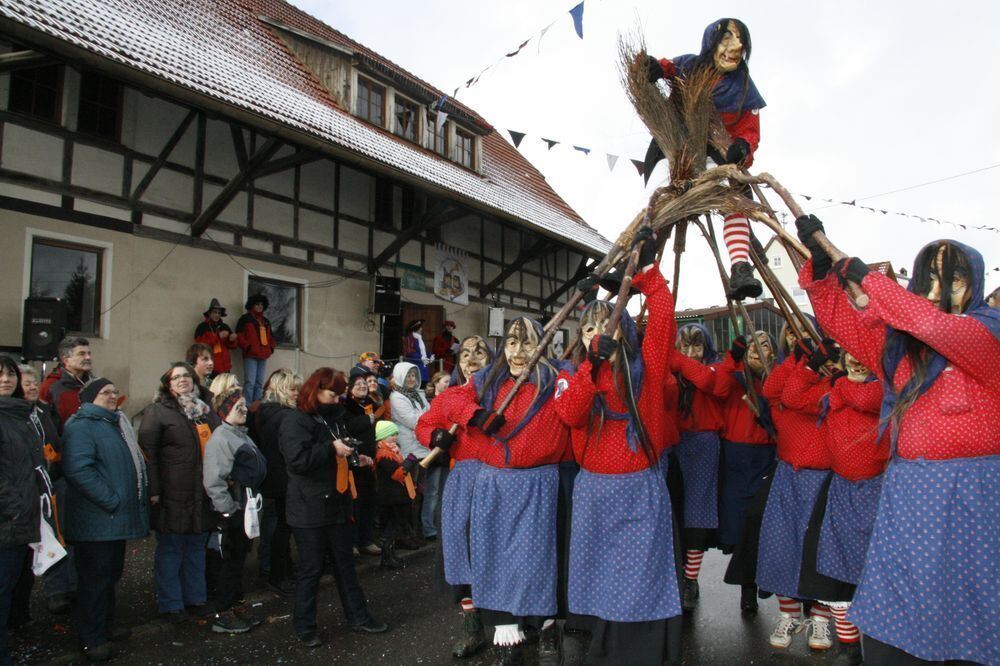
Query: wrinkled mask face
(959, 287)
(753, 358)
(692, 345)
(593, 323)
(472, 356)
(729, 52)
(520, 343)
(855, 371)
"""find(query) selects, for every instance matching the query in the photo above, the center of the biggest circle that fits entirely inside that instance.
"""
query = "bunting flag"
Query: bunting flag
(612, 161)
(639, 166)
(518, 49)
(585, 151)
(577, 14)
(516, 137)
(550, 142)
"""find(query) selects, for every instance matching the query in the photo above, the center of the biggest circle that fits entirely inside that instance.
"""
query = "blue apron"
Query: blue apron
(698, 455)
(513, 540)
(847, 527)
(931, 582)
(743, 470)
(456, 510)
(621, 557)
(783, 530)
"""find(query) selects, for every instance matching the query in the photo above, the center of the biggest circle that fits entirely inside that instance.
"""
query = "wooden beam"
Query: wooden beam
(524, 257)
(239, 145)
(23, 59)
(436, 216)
(581, 272)
(235, 184)
(297, 158)
(161, 159)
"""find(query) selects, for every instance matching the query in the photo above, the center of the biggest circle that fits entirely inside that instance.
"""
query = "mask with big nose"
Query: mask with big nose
(520, 343)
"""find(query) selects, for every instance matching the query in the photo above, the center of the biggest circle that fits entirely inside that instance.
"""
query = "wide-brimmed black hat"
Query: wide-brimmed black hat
(257, 298)
(414, 325)
(215, 305)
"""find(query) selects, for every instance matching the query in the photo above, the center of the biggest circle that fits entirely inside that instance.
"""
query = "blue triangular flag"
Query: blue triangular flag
(577, 14)
(585, 151)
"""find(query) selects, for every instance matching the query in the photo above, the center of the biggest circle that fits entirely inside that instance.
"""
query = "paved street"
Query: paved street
(423, 625)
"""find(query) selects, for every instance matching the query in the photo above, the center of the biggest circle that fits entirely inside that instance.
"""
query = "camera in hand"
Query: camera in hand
(352, 458)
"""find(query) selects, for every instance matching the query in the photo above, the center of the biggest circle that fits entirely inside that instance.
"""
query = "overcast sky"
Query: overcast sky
(862, 98)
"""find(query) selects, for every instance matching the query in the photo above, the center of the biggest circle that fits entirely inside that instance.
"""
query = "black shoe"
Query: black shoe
(249, 616)
(849, 655)
(310, 640)
(474, 638)
(742, 283)
(230, 623)
(509, 655)
(173, 617)
(119, 634)
(389, 559)
(59, 604)
(689, 597)
(748, 600)
(372, 626)
(101, 652)
(409, 544)
(199, 611)
(548, 646)
(285, 588)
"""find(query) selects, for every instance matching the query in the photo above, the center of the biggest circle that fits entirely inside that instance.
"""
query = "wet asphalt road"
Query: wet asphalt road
(423, 625)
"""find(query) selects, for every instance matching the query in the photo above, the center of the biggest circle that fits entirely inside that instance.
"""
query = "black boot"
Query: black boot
(549, 645)
(689, 597)
(474, 638)
(509, 655)
(389, 559)
(748, 600)
(742, 283)
(849, 655)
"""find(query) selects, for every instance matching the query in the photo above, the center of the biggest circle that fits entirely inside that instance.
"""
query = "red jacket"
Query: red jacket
(444, 413)
(441, 350)
(254, 336)
(796, 393)
(739, 423)
(957, 416)
(851, 426)
(207, 333)
(706, 408)
(604, 448)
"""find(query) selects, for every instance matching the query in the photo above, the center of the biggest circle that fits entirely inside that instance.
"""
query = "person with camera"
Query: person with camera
(360, 423)
(319, 455)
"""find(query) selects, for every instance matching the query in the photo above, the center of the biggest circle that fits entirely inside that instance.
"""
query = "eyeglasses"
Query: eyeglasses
(180, 376)
(113, 394)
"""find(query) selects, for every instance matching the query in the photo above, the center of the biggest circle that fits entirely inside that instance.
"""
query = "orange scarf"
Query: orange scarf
(400, 475)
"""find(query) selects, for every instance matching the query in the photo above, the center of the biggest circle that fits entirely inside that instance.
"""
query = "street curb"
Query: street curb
(154, 627)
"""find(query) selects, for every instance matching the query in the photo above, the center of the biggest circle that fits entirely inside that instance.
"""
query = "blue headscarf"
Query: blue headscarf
(636, 370)
(455, 379)
(728, 94)
(782, 352)
(763, 417)
(895, 347)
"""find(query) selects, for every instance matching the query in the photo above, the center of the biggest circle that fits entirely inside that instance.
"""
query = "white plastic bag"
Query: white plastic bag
(48, 550)
(251, 515)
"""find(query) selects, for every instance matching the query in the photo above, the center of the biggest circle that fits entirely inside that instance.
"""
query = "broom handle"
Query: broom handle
(661, 245)
(437, 450)
(680, 244)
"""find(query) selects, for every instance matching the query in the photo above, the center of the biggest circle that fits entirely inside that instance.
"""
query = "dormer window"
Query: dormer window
(371, 101)
(406, 116)
(463, 153)
(437, 137)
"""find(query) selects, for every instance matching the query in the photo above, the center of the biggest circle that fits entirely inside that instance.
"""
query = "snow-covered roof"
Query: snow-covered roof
(224, 50)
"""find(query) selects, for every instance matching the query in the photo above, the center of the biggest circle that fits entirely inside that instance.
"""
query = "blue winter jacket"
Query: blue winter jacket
(103, 501)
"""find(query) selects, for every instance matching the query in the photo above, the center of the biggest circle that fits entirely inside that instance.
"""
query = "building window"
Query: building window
(800, 296)
(406, 114)
(437, 137)
(371, 101)
(463, 148)
(37, 92)
(283, 309)
(100, 105)
(776, 261)
(73, 273)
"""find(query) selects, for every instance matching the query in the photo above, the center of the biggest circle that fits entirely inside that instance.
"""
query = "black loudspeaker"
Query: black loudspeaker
(385, 295)
(44, 326)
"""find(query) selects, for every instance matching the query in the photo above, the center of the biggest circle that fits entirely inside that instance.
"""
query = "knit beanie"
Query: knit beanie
(92, 388)
(229, 401)
(385, 429)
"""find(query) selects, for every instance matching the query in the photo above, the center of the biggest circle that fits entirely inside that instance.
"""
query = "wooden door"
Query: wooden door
(433, 316)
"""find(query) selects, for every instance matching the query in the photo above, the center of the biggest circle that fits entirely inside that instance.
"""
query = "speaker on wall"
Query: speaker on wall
(385, 295)
(44, 325)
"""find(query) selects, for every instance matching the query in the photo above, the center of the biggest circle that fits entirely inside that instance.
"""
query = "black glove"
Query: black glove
(850, 270)
(442, 439)
(654, 70)
(819, 357)
(487, 420)
(804, 348)
(738, 152)
(601, 349)
(411, 464)
(807, 225)
(588, 283)
(738, 349)
(647, 253)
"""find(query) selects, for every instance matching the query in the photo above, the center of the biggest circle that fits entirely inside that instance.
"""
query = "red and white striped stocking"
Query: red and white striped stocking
(789, 606)
(736, 234)
(846, 631)
(692, 563)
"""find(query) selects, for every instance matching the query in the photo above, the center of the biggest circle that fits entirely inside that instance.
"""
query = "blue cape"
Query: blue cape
(728, 92)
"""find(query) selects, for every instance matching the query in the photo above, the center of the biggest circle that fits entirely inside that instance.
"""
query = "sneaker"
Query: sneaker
(819, 633)
(230, 623)
(100, 652)
(371, 549)
(689, 597)
(372, 626)
(784, 629)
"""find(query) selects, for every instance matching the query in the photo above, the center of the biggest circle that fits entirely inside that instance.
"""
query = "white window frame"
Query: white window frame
(303, 298)
(107, 261)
